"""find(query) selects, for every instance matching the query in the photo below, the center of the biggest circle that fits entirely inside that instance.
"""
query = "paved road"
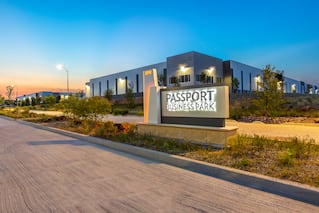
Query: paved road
(45, 172)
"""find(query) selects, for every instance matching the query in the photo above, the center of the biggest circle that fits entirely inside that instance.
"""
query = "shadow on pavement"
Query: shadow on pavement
(278, 188)
(77, 142)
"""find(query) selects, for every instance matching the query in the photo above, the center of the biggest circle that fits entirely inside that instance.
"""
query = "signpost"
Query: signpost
(196, 114)
(203, 106)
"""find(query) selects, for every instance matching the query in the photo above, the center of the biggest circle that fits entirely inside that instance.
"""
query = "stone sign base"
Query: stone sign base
(215, 136)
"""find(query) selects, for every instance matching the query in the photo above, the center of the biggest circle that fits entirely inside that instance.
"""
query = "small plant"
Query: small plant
(286, 158)
(242, 163)
(124, 138)
(166, 145)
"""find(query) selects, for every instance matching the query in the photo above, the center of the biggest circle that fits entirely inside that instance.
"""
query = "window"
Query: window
(250, 86)
(173, 80)
(164, 77)
(218, 80)
(205, 78)
(137, 83)
(181, 78)
(116, 86)
(184, 78)
(187, 78)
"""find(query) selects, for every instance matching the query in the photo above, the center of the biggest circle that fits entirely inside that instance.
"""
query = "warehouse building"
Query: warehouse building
(190, 69)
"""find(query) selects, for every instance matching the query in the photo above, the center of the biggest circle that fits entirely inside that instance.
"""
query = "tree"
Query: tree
(108, 94)
(50, 100)
(130, 96)
(97, 106)
(270, 93)
(27, 102)
(235, 85)
(10, 92)
(33, 101)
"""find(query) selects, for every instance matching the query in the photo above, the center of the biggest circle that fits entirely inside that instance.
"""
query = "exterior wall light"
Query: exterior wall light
(211, 70)
(183, 68)
(87, 89)
(279, 85)
(257, 80)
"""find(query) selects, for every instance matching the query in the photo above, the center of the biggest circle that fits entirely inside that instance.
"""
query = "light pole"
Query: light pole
(62, 67)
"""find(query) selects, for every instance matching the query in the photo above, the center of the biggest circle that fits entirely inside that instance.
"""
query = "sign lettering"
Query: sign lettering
(192, 100)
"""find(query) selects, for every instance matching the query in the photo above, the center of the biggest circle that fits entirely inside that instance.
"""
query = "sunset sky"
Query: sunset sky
(100, 37)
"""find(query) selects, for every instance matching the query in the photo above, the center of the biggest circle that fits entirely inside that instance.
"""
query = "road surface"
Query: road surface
(46, 172)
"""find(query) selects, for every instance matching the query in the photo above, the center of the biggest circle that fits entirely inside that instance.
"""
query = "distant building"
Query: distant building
(189, 69)
(39, 96)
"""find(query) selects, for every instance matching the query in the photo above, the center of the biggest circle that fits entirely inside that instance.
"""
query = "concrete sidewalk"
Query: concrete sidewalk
(296, 191)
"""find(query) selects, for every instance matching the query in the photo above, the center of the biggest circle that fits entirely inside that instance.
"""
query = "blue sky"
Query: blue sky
(94, 38)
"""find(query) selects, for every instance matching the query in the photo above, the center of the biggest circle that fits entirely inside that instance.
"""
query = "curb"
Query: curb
(289, 189)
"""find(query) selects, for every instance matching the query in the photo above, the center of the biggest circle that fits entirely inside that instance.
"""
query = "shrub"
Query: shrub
(106, 130)
(127, 128)
(236, 114)
(87, 108)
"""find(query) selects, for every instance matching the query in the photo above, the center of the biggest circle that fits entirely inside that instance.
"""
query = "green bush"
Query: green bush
(236, 114)
(87, 108)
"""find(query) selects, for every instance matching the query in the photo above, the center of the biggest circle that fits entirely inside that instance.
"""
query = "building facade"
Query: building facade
(193, 68)
(189, 69)
(40, 97)
(120, 82)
